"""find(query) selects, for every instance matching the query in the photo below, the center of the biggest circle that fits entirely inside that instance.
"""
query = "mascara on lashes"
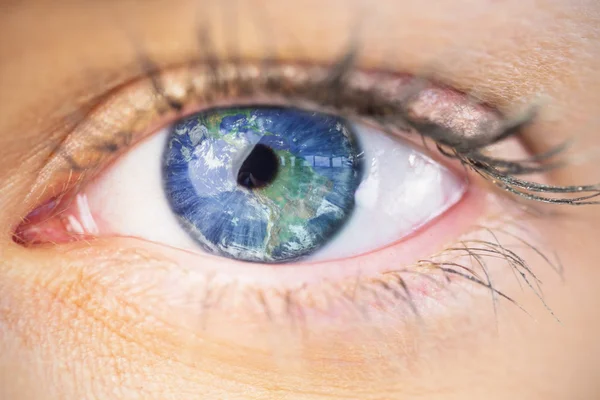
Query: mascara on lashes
(380, 97)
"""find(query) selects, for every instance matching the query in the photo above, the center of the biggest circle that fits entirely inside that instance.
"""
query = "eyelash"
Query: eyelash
(336, 92)
(341, 90)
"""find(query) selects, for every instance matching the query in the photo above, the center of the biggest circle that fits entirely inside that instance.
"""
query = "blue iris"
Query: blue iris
(265, 184)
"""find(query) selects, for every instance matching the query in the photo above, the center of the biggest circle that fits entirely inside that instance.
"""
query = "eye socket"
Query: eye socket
(378, 190)
(106, 180)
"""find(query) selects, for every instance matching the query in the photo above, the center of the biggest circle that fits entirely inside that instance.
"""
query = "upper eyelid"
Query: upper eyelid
(127, 113)
(342, 90)
(165, 91)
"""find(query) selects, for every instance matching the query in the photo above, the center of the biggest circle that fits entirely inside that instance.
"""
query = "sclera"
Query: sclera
(401, 191)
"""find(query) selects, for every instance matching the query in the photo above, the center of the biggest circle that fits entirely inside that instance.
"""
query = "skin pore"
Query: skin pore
(91, 321)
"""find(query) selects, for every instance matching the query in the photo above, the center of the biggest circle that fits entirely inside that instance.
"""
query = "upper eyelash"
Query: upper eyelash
(228, 79)
(336, 91)
(374, 106)
(502, 173)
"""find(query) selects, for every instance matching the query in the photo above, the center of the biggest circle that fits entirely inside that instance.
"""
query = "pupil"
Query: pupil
(259, 169)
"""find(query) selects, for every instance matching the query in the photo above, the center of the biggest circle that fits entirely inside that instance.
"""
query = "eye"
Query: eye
(272, 185)
(277, 166)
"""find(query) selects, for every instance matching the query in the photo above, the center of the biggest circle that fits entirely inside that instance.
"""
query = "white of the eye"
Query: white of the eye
(129, 200)
(402, 189)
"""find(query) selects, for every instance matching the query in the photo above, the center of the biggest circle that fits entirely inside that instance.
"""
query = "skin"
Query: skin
(69, 333)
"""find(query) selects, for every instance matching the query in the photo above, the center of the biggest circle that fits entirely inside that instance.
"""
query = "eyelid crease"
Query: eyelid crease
(133, 110)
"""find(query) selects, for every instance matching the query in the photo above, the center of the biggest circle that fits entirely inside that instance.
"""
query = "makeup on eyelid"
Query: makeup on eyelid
(131, 112)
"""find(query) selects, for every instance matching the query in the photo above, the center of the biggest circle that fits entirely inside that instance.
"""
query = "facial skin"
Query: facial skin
(90, 321)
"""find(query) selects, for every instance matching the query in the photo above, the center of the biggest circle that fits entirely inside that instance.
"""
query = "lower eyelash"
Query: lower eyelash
(475, 265)
(392, 293)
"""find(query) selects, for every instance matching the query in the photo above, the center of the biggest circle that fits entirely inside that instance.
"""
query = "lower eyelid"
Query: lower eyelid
(195, 292)
(208, 272)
